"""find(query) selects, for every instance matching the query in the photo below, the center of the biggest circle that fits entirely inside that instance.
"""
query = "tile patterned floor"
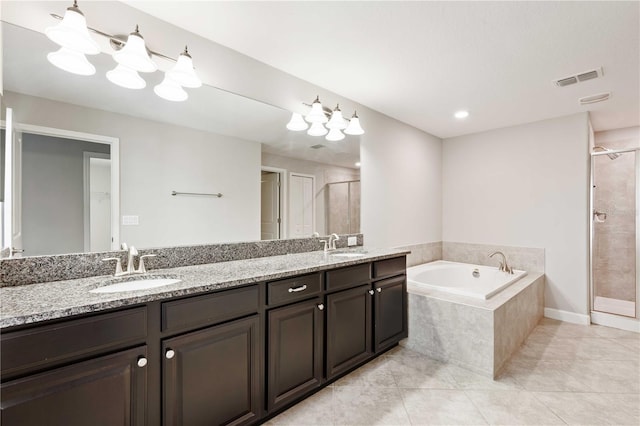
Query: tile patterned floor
(563, 374)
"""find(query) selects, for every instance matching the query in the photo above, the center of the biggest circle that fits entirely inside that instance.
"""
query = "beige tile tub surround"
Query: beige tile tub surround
(479, 335)
(524, 258)
(563, 374)
(423, 253)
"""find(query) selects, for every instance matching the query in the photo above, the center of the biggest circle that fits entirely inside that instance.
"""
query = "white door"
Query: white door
(270, 206)
(301, 205)
(12, 207)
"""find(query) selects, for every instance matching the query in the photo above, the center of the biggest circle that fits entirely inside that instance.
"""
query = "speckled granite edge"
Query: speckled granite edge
(39, 269)
(35, 303)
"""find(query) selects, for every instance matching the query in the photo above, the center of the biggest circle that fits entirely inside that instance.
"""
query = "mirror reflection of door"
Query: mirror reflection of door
(12, 191)
(270, 205)
(301, 205)
(97, 201)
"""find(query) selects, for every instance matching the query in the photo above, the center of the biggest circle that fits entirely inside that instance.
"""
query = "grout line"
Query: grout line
(549, 408)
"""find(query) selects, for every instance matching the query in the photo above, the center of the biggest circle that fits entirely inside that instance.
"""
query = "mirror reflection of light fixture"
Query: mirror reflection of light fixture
(317, 129)
(71, 61)
(183, 72)
(335, 135)
(354, 127)
(72, 32)
(297, 123)
(132, 56)
(126, 77)
(336, 121)
(170, 90)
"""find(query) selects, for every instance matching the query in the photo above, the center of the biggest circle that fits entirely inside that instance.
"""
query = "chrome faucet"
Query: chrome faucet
(332, 241)
(504, 267)
(130, 259)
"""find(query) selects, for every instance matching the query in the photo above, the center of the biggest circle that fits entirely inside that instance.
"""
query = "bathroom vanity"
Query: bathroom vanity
(205, 351)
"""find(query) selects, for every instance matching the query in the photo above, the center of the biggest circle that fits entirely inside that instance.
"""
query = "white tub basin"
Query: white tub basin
(135, 285)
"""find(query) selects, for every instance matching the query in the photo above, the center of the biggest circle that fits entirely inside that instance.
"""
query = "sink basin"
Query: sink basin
(134, 285)
(348, 254)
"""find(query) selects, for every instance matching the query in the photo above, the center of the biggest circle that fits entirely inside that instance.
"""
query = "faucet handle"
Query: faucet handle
(141, 267)
(326, 245)
(118, 264)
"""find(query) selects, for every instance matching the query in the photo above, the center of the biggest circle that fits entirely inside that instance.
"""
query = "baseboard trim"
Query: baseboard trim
(615, 321)
(567, 316)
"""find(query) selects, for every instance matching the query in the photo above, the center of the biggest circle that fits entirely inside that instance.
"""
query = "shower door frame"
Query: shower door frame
(604, 318)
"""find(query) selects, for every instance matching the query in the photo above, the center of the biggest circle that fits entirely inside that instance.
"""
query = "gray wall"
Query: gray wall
(52, 194)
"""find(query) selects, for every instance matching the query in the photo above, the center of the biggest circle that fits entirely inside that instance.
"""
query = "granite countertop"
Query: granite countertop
(28, 304)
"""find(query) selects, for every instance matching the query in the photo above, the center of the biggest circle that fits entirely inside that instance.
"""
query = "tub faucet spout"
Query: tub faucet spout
(504, 266)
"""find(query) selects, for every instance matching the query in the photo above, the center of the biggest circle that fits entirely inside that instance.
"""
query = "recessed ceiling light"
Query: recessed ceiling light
(461, 114)
(358, 164)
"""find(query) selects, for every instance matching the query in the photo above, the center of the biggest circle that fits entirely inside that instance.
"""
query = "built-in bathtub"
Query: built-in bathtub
(481, 282)
(474, 322)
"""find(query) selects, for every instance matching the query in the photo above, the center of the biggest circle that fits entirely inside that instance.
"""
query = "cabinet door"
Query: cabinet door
(295, 351)
(390, 312)
(211, 377)
(109, 390)
(348, 329)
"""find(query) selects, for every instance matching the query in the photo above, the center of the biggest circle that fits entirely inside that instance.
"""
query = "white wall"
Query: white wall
(156, 158)
(525, 186)
(401, 185)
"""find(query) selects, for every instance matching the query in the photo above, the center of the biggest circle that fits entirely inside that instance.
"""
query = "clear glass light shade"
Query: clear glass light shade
(337, 121)
(317, 114)
(335, 135)
(73, 34)
(297, 123)
(183, 72)
(170, 90)
(71, 61)
(317, 129)
(134, 55)
(126, 77)
(354, 127)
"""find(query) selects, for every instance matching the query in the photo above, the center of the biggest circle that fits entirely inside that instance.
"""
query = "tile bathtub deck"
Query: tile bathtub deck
(563, 374)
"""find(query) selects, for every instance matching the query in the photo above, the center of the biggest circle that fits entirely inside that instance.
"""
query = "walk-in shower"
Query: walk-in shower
(615, 244)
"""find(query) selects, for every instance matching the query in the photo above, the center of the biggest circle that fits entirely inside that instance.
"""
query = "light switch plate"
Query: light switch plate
(352, 241)
(129, 220)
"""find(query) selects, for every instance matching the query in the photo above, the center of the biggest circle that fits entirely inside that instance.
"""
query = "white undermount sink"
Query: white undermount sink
(134, 285)
(348, 254)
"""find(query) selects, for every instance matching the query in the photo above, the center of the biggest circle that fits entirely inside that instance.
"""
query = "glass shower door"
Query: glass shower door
(614, 232)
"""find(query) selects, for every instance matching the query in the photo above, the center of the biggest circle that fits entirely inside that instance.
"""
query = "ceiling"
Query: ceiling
(419, 62)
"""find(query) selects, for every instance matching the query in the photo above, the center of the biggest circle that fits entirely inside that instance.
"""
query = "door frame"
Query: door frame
(284, 200)
(114, 150)
(313, 197)
(86, 188)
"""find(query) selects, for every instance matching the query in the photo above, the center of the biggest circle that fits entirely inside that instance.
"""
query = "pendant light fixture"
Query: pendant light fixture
(317, 129)
(354, 127)
(183, 72)
(336, 121)
(134, 54)
(297, 123)
(317, 114)
(170, 90)
(71, 61)
(335, 135)
(126, 77)
(72, 32)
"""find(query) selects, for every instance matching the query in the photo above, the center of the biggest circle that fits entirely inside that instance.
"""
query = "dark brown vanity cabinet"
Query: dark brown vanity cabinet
(211, 376)
(390, 316)
(295, 351)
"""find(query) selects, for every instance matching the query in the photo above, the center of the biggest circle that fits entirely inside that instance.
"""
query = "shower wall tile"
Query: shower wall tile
(527, 259)
(423, 253)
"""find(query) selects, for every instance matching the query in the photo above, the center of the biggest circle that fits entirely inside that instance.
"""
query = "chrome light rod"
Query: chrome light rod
(174, 193)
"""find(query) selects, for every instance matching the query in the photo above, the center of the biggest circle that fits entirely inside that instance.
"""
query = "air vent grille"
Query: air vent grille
(583, 76)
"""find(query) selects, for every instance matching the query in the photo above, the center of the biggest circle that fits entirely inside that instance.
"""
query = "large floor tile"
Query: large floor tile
(469, 380)
(440, 407)
(560, 329)
(420, 372)
(607, 376)
(315, 410)
(512, 408)
(593, 408)
(576, 348)
(553, 375)
(356, 405)
(374, 374)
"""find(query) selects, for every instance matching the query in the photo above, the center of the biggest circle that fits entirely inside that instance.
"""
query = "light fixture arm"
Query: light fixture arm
(118, 42)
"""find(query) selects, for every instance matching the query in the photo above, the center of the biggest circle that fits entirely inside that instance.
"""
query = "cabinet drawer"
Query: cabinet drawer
(385, 268)
(348, 277)
(53, 344)
(209, 309)
(292, 289)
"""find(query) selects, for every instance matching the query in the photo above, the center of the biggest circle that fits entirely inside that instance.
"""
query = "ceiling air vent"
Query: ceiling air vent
(583, 76)
(594, 98)
(318, 146)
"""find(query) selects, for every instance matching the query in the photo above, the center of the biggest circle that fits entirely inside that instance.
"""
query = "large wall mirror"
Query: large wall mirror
(92, 165)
